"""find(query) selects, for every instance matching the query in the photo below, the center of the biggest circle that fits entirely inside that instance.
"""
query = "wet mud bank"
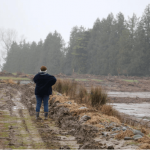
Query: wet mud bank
(84, 134)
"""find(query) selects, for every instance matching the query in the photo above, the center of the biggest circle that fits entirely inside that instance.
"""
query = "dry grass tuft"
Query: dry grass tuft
(100, 126)
(98, 96)
(145, 139)
(97, 118)
(123, 134)
(9, 81)
(110, 111)
(145, 131)
(82, 94)
(66, 86)
(145, 146)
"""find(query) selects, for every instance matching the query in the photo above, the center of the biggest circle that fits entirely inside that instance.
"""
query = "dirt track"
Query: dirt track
(18, 127)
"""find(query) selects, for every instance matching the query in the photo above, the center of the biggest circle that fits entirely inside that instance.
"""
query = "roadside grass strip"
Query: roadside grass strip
(13, 78)
(131, 80)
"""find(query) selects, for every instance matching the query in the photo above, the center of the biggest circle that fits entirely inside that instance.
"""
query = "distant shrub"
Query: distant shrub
(98, 96)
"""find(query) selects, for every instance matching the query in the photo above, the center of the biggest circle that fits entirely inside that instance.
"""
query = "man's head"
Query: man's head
(43, 68)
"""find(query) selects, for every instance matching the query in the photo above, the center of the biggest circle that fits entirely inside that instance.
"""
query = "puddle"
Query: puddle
(17, 102)
(129, 94)
(24, 82)
(138, 110)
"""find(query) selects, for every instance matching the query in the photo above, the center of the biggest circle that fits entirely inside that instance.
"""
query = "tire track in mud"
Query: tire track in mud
(16, 127)
(29, 132)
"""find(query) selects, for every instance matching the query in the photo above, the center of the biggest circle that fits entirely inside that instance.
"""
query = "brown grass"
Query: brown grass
(145, 131)
(10, 81)
(98, 96)
(145, 146)
(82, 94)
(110, 111)
(66, 87)
(97, 118)
(145, 139)
(123, 134)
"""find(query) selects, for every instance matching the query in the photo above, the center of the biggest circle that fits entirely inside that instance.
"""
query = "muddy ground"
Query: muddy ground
(66, 128)
(18, 126)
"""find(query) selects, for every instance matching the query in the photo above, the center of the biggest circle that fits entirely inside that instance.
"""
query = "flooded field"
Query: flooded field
(129, 94)
(137, 110)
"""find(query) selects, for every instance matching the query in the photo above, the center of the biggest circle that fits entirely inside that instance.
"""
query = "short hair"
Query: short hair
(43, 68)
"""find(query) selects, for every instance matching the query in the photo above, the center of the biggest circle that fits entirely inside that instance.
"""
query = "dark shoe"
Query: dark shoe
(46, 115)
(37, 115)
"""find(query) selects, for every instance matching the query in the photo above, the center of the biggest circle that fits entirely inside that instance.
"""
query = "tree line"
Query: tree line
(114, 45)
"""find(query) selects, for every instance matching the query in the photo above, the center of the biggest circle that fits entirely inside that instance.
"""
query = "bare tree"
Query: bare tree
(7, 37)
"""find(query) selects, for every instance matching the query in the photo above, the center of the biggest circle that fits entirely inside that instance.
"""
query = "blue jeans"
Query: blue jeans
(39, 99)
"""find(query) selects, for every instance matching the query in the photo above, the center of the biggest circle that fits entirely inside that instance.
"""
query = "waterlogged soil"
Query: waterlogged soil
(63, 130)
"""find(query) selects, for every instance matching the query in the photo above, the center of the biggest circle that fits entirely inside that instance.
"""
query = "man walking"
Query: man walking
(43, 89)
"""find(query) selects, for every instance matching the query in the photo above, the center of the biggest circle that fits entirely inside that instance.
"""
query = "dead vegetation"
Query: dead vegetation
(8, 81)
(145, 146)
(95, 98)
(123, 134)
(98, 96)
(66, 87)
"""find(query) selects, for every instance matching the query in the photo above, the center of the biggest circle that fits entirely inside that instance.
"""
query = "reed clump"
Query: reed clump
(98, 96)
(95, 98)
(82, 94)
(66, 87)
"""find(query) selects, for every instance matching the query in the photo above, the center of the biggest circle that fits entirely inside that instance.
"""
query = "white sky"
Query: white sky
(36, 18)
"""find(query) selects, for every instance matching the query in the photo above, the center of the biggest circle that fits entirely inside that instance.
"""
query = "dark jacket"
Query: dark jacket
(44, 83)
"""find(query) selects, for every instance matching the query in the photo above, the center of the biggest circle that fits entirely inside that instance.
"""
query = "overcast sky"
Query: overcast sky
(36, 18)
